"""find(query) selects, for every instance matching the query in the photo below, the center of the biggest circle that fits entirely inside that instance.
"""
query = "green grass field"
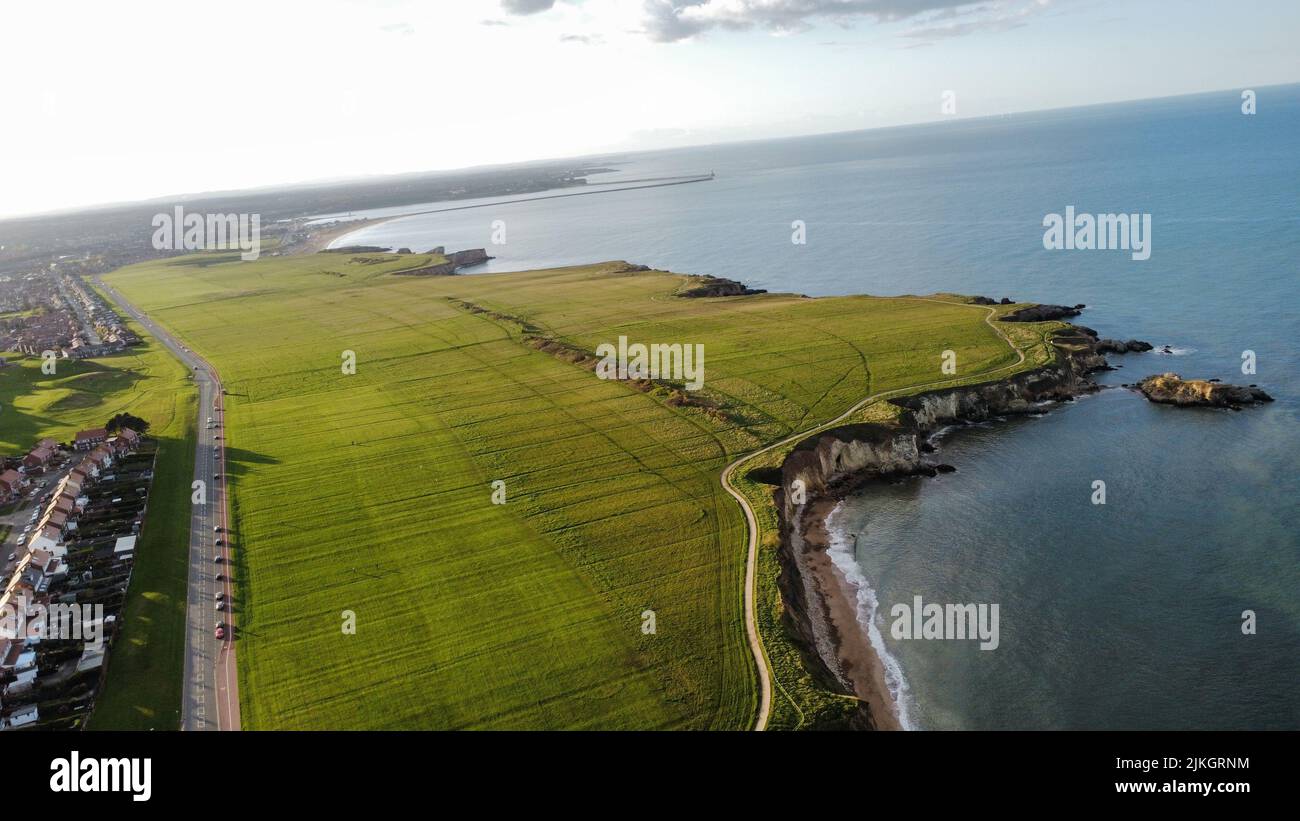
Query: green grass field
(371, 492)
(143, 687)
(82, 394)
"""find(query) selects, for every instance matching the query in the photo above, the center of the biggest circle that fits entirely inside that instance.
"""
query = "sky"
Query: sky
(110, 102)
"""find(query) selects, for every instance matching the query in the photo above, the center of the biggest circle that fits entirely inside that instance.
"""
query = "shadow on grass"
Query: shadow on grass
(239, 461)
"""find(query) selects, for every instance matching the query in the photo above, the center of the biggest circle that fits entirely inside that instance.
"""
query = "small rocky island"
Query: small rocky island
(1172, 389)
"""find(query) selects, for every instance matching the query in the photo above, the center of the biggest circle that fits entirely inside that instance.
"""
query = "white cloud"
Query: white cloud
(526, 6)
(668, 21)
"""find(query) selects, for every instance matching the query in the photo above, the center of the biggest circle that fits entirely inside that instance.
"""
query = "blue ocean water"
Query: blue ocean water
(1126, 615)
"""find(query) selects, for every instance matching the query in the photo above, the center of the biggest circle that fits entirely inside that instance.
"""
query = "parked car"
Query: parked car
(216, 528)
(221, 577)
(221, 594)
(221, 631)
(22, 540)
(221, 543)
(217, 559)
(221, 605)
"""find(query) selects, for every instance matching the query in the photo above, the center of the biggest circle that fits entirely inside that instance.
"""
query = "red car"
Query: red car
(221, 631)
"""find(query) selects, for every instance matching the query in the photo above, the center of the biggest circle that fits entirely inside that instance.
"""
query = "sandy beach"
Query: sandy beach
(858, 661)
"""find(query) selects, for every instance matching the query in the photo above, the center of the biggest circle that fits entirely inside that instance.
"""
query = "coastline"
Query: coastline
(344, 229)
(317, 239)
(824, 607)
(860, 665)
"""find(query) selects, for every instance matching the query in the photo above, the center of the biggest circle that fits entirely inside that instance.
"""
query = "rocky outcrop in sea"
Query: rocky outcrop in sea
(1172, 389)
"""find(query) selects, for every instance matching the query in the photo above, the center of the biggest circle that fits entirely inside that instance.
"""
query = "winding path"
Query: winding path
(751, 556)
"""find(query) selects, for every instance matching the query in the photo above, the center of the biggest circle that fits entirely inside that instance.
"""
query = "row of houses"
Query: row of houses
(55, 329)
(112, 331)
(48, 315)
(65, 565)
(15, 480)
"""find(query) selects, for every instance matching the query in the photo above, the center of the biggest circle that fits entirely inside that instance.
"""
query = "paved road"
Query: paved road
(751, 554)
(210, 700)
(20, 517)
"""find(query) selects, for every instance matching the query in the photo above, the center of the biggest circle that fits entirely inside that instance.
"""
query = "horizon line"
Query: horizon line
(351, 180)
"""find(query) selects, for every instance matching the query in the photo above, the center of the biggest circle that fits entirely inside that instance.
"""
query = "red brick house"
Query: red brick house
(90, 438)
(11, 482)
(38, 458)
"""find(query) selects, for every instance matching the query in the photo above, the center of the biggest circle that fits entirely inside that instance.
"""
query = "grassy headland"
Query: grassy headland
(372, 492)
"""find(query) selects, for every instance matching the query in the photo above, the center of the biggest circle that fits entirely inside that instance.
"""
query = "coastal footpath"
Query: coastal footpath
(818, 605)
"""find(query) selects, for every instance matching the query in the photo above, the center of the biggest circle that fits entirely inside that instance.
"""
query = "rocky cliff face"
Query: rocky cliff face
(703, 286)
(1043, 313)
(832, 458)
(470, 256)
(1076, 357)
(455, 261)
(826, 463)
(835, 461)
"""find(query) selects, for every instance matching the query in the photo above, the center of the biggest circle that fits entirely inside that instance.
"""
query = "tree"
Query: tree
(126, 420)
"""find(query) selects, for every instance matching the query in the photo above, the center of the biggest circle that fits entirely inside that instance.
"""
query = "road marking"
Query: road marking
(199, 633)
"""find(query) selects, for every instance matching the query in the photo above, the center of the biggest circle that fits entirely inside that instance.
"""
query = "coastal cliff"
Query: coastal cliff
(703, 285)
(454, 262)
(820, 607)
(1041, 313)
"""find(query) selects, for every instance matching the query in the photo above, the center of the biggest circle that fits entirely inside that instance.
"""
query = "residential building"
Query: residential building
(90, 438)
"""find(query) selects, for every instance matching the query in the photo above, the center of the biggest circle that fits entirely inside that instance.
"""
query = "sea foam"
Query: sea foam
(840, 550)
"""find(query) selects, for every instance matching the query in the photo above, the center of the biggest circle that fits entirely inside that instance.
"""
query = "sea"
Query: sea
(1175, 604)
